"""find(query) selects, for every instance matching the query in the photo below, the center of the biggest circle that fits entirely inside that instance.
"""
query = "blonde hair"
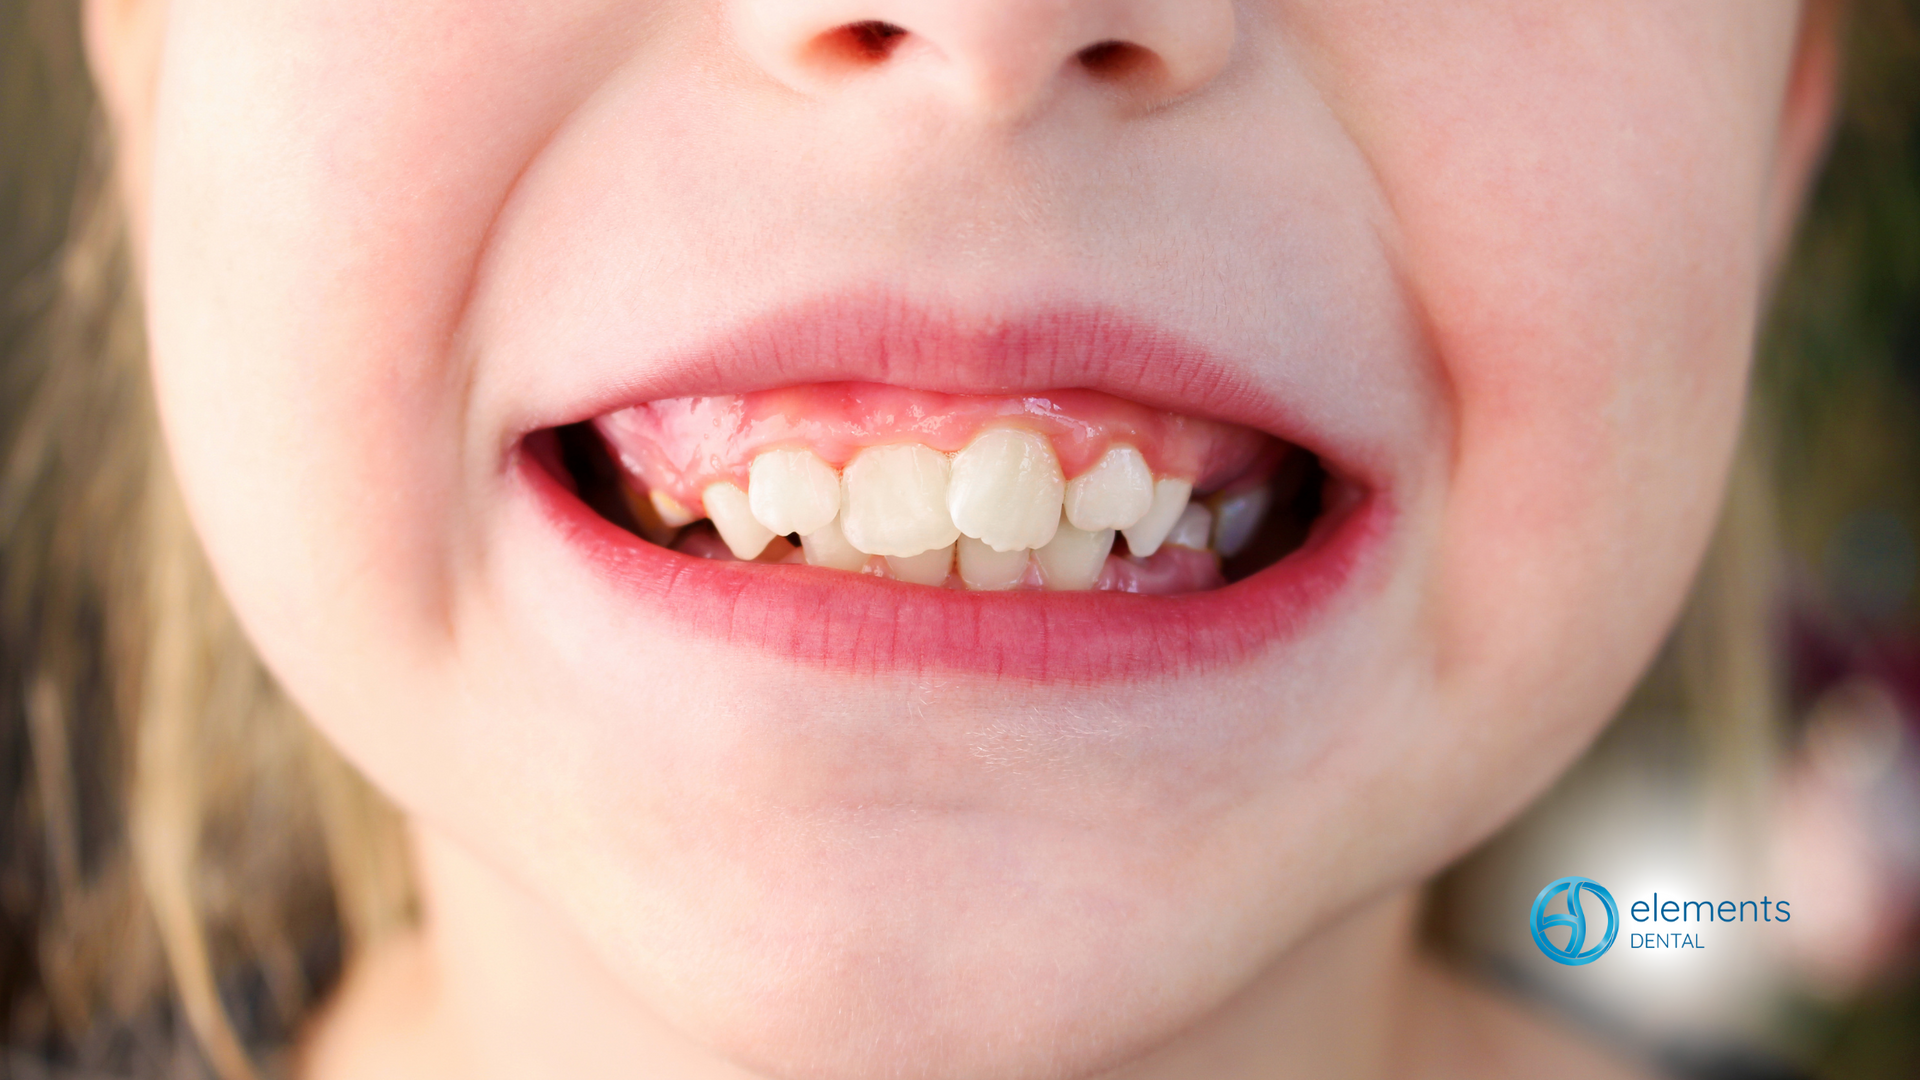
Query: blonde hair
(177, 826)
(175, 820)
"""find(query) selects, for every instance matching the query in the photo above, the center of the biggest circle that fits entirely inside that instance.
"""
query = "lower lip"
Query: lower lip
(852, 623)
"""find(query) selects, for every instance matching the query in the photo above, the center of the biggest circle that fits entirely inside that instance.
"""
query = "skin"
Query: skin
(1518, 246)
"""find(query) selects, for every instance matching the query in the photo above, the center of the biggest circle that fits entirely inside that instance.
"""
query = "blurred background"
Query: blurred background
(1774, 749)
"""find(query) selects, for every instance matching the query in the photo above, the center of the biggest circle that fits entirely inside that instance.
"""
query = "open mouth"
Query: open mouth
(1063, 492)
(831, 485)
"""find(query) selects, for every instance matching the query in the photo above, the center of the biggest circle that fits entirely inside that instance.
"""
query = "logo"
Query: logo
(1575, 951)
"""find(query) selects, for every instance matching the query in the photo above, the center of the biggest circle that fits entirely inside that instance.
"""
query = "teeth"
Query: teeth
(1236, 518)
(792, 491)
(1114, 494)
(827, 546)
(987, 570)
(727, 509)
(1005, 490)
(1169, 500)
(673, 513)
(894, 500)
(1075, 557)
(999, 513)
(1192, 530)
(926, 568)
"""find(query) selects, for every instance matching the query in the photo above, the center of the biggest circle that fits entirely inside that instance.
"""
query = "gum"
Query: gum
(680, 445)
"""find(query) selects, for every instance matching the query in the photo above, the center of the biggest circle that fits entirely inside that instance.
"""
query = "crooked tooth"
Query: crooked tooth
(673, 513)
(827, 546)
(1074, 559)
(893, 500)
(1236, 518)
(926, 568)
(1193, 530)
(1005, 489)
(1115, 494)
(733, 520)
(986, 570)
(1169, 502)
(792, 491)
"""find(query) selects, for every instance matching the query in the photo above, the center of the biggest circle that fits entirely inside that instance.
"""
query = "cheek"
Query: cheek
(323, 181)
(1580, 191)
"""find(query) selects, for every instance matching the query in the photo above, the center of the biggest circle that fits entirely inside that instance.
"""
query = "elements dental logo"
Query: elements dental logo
(1575, 951)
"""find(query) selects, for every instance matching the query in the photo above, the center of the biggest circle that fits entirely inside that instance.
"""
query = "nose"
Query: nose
(992, 60)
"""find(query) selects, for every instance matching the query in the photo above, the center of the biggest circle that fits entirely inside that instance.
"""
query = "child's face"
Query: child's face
(1496, 263)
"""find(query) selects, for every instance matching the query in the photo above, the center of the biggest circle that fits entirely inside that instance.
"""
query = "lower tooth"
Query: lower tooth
(827, 546)
(733, 519)
(986, 570)
(1074, 559)
(926, 568)
(1236, 518)
(1193, 529)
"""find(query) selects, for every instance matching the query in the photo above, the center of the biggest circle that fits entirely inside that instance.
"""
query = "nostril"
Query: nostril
(876, 38)
(859, 43)
(1114, 60)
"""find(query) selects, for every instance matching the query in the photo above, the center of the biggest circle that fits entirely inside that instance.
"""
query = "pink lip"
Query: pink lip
(883, 339)
(852, 623)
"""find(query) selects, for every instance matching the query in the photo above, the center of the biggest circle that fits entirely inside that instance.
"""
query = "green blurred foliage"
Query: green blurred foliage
(1839, 365)
(1839, 376)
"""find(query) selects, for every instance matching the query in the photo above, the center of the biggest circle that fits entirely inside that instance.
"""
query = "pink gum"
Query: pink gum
(680, 445)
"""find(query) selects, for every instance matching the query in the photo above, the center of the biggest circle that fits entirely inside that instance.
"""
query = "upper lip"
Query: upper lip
(877, 338)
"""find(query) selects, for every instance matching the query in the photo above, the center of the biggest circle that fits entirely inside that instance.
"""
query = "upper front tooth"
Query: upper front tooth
(1075, 558)
(1114, 494)
(1193, 528)
(1006, 488)
(792, 491)
(893, 500)
(1169, 500)
(1235, 519)
(727, 508)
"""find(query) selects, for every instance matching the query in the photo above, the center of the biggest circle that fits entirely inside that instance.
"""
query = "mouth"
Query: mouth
(1099, 518)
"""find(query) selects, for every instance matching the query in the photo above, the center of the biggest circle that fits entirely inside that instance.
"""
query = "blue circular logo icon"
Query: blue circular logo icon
(1576, 950)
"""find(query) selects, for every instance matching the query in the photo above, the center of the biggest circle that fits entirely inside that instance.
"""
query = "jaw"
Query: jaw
(853, 994)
